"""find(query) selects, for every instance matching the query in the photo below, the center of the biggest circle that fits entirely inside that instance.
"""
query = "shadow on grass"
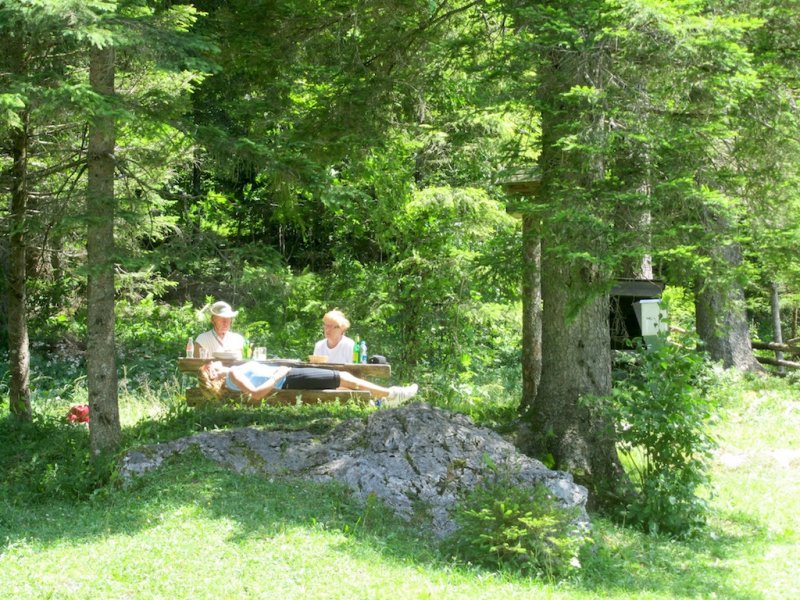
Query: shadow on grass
(181, 420)
(624, 562)
(260, 507)
(631, 562)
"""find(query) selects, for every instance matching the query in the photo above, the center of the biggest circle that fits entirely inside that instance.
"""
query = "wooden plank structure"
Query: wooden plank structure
(623, 323)
(195, 397)
(192, 365)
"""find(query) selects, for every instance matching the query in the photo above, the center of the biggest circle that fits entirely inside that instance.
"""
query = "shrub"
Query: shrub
(48, 458)
(661, 408)
(525, 530)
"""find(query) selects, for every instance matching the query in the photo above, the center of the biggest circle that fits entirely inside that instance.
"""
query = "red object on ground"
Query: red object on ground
(78, 414)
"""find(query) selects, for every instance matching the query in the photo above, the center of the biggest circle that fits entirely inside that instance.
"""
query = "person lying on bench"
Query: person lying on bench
(259, 380)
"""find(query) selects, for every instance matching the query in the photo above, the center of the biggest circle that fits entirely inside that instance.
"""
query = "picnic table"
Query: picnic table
(195, 397)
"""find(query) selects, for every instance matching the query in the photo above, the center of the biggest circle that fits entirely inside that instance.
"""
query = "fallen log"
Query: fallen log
(778, 363)
(776, 347)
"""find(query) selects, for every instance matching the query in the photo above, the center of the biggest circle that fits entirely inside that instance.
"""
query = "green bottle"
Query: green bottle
(246, 349)
(356, 351)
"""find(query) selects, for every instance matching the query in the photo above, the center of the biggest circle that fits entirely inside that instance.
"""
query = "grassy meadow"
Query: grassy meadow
(194, 530)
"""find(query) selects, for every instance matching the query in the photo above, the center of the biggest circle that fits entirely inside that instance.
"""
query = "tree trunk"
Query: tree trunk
(636, 267)
(19, 395)
(575, 339)
(531, 311)
(776, 322)
(105, 431)
(18, 349)
(721, 317)
(561, 426)
(576, 363)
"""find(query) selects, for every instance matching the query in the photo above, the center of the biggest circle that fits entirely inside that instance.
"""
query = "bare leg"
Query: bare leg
(350, 382)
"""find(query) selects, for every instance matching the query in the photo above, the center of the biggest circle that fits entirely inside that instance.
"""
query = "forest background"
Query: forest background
(292, 157)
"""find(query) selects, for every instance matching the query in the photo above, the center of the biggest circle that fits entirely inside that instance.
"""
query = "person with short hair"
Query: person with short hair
(259, 380)
(220, 338)
(336, 345)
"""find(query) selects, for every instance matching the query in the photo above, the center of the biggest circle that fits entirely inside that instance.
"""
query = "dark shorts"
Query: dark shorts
(310, 378)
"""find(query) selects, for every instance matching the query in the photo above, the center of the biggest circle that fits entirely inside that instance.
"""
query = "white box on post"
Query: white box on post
(652, 320)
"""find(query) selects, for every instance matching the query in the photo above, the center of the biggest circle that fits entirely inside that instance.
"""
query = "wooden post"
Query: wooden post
(776, 324)
(526, 185)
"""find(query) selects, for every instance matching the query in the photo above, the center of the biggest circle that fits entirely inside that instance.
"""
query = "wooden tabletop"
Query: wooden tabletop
(191, 365)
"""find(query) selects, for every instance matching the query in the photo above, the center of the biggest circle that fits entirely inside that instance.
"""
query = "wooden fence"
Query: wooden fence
(789, 348)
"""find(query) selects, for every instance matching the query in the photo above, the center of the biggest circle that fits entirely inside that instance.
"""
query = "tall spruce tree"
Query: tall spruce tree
(35, 48)
(19, 356)
(626, 141)
(44, 107)
(122, 28)
(767, 151)
(576, 360)
(101, 367)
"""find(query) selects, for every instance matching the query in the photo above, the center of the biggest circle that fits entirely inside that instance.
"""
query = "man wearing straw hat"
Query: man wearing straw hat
(220, 338)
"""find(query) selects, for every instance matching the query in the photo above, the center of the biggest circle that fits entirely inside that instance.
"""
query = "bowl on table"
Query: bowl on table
(317, 359)
(226, 355)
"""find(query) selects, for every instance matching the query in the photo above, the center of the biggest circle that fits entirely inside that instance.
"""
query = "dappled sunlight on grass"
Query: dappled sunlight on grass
(239, 536)
(630, 564)
(194, 530)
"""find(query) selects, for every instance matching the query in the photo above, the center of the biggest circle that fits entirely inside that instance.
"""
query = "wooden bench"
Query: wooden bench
(195, 397)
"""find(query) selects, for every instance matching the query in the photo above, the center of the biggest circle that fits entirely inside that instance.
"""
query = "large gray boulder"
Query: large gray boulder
(408, 457)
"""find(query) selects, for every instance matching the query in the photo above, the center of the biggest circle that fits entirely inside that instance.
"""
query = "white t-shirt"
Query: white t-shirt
(233, 342)
(342, 353)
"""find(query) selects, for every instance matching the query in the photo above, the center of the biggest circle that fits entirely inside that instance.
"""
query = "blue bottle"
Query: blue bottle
(363, 354)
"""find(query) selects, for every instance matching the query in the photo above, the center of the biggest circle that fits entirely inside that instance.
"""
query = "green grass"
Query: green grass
(194, 530)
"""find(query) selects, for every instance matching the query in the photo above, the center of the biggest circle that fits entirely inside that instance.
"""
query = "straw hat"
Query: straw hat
(223, 309)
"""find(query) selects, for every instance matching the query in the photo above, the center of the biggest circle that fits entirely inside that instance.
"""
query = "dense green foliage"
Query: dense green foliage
(663, 404)
(279, 154)
(295, 156)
